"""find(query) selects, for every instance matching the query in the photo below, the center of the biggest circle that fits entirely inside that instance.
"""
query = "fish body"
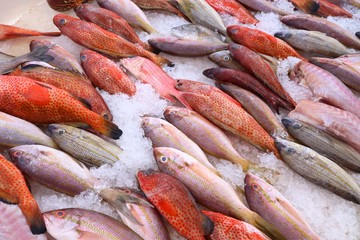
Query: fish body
(225, 112)
(319, 169)
(234, 9)
(339, 123)
(149, 222)
(223, 59)
(77, 223)
(257, 108)
(260, 69)
(203, 132)
(327, 9)
(175, 203)
(60, 58)
(327, 87)
(69, 82)
(164, 134)
(200, 12)
(227, 228)
(323, 143)
(10, 32)
(13, 190)
(38, 102)
(207, 188)
(109, 21)
(263, 6)
(106, 74)
(96, 38)
(164, 5)
(192, 31)
(347, 72)
(130, 12)
(148, 72)
(313, 23)
(84, 146)
(184, 47)
(16, 132)
(313, 42)
(275, 208)
(261, 42)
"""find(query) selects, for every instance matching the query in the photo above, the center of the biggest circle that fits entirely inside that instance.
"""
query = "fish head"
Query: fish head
(192, 86)
(151, 123)
(58, 130)
(169, 160)
(283, 35)
(291, 123)
(211, 72)
(22, 156)
(61, 225)
(148, 179)
(85, 55)
(133, 64)
(83, 9)
(234, 30)
(284, 148)
(235, 48)
(61, 20)
(175, 114)
(258, 191)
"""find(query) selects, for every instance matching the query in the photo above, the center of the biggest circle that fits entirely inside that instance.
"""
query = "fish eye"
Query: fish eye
(62, 21)
(290, 150)
(61, 131)
(255, 187)
(127, 191)
(297, 125)
(82, 57)
(106, 116)
(163, 159)
(16, 154)
(60, 214)
(226, 58)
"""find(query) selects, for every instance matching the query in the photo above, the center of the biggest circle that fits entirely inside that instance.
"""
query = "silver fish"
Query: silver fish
(224, 59)
(263, 6)
(196, 32)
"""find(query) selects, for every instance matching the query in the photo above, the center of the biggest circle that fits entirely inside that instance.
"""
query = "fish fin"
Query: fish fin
(312, 7)
(8, 199)
(85, 235)
(84, 102)
(265, 227)
(109, 129)
(40, 54)
(179, 96)
(207, 224)
(33, 216)
(146, 26)
(162, 61)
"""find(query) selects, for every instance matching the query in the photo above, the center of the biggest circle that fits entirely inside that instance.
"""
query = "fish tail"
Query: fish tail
(242, 161)
(107, 128)
(264, 226)
(309, 6)
(160, 60)
(33, 216)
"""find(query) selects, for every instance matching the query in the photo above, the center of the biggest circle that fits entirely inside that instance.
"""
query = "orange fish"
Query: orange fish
(164, 5)
(39, 102)
(234, 9)
(228, 228)
(106, 74)
(322, 8)
(225, 112)
(70, 82)
(9, 32)
(261, 42)
(175, 203)
(260, 69)
(13, 190)
(96, 38)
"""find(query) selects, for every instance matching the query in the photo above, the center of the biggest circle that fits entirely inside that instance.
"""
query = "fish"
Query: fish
(322, 8)
(184, 47)
(60, 57)
(227, 228)
(257, 108)
(96, 38)
(8, 63)
(207, 135)
(106, 74)
(77, 223)
(319, 170)
(13, 224)
(357, 34)
(130, 12)
(39, 102)
(151, 225)
(66, 175)
(344, 68)
(68, 81)
(147, 72)
(84, 146)
(261, 42)
(109, 21)
(175, 203)
(233, 8)
(224, 60)
(263, 6)
(164, 134)
(313, 42)
(260, 69)
(355, 3)
(164, 5)
(275, 208)
(209, 189)
(313, 23)
(16, 132)
(339, 123)
(323, 143)
(200, 12)
(14, 190)
(225, 112)
(326, 87)
(307, 6)
(248, 82)
(192, 31)
(64, 5)
(11, 32)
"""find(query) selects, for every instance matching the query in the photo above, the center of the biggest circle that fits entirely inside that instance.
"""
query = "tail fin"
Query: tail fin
(107, 128)
(308, 6)
(242, 161)
(179, 96)
(161, 61)
(33, 216)
(39, 53)
(266, 227)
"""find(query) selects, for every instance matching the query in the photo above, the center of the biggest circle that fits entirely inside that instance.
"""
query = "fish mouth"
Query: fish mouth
(209, 73)
(287, 121)
(282, 35)
(52, 128)
(279, 145)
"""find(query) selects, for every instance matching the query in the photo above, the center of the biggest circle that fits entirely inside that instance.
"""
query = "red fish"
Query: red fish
(175, 203)
(228, 228)
(261, 42)
(13, 190)
(96, 38)
(38, 102)
(105, 74)
(9, 32)
(225, 112)
(234, 9)
(322, 8)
